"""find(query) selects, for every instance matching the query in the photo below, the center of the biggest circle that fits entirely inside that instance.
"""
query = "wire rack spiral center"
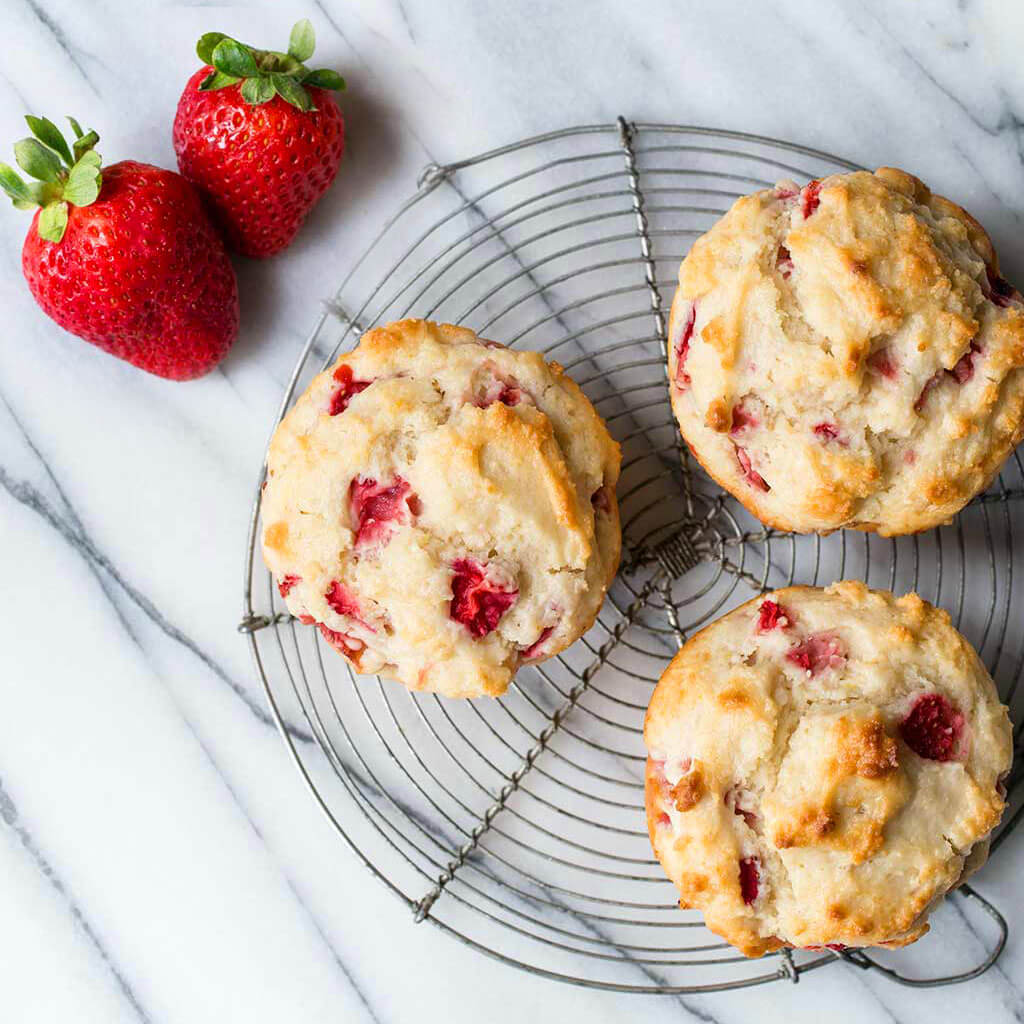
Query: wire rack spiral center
(517, 825)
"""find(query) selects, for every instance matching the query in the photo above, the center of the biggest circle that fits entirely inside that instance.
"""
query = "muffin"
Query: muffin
(443, 508)
(848, 355)
(824, 765)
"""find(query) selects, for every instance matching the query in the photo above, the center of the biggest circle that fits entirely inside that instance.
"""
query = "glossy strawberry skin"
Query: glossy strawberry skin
(141, 273)
(263, 167)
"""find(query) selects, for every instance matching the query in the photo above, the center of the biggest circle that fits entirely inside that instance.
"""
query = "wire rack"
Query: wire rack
(516, 825)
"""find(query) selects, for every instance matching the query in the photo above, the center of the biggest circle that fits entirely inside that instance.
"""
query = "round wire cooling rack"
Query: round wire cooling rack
(516, 825)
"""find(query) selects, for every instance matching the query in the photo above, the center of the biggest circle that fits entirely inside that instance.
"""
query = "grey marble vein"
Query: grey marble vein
(1012, 995)
(9, 815)
(80, 541)
(16, 92)
(406, 20)
(74, 533)
(71, 52)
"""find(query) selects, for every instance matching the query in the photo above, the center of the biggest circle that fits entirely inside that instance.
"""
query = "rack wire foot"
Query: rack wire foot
(861, 959)
(251, 623)
(787, 969)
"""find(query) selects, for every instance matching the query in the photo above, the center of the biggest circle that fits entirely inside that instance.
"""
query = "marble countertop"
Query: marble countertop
(160, 859)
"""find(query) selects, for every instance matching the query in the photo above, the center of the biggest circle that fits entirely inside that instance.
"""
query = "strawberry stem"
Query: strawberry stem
(63, 175)
(266, 73)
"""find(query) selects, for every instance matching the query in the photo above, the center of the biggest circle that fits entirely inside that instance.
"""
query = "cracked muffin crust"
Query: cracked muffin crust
(443, 508)
(848, 355)
(824, 765)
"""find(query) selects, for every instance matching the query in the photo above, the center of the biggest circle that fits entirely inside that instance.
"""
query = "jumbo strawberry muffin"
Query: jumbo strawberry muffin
(846, 354)
(442, 508)
(824, 765)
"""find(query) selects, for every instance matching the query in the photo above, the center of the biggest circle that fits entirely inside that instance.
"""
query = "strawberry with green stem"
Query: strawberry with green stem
(124, 257)
(261, 135)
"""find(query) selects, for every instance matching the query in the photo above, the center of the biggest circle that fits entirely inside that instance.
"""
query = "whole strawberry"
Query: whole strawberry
(125, 257)
(261, 135)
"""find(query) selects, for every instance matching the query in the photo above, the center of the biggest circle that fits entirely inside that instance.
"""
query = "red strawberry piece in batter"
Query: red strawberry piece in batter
(999, 290)
(811, 197)
(350, 646)
(827, 431)
(663, 820)
(883, 363)
(784, 261)
(934, 728)
(306, 619)
(348, 388)
(753, 477)
(962, 372)
(344, 602)
(817, 653)
(783, 192)
(750, 879)
(683, 348)
(504, 389)
(733, 799)
(772, 615)
(742, 419)
(478, 600)
(285, 584)
(932, 382)
(535, 649)
(964, 369)
(379, 509)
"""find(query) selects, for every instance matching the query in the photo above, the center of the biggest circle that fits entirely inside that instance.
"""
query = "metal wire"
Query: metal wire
(517, 825)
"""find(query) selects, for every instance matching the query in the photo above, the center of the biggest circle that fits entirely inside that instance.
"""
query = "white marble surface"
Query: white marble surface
(159, 858)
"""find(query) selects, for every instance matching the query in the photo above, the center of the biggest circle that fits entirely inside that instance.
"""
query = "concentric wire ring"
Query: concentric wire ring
(517, 825)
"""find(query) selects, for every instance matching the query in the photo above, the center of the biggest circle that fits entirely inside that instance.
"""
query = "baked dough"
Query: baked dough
(443, 508)
(847, 355)
(824, 766)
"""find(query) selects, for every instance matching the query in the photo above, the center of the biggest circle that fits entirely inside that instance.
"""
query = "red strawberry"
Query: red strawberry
(260, 133)
(127, 259)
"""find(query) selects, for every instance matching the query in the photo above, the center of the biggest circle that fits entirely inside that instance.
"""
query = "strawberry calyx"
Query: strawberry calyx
(265, 74)
(63, 174)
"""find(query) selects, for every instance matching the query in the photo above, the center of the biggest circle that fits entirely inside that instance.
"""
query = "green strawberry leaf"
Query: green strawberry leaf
(75, 127)
(207, 44)
(84, 181)
(232, 58)
(283, 63)
(257, 90)
(37, 160)
(90, 158)
(324, 78)
(216, 80)
(49, 135)
(302, 41)
(290, 90)
(84, 145)
(44, 192)
(53, 220)
(16, 189)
